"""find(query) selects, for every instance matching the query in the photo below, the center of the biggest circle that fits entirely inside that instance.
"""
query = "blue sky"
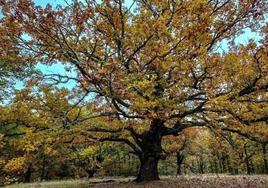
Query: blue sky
(59, 68)
(51, 2)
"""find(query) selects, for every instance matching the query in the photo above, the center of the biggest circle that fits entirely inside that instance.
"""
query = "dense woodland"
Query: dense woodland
(146, 89)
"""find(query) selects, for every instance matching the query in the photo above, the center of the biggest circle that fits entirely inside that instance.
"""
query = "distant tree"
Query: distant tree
(150, 68)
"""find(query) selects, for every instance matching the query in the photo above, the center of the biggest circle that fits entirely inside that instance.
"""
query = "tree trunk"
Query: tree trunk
(28, 174)
(151, 152)
(180, 159)
(247, 160)
(148, 169)
(90, 172)
(264, 153)
(216, 165)
(44, 170)
(201, 165)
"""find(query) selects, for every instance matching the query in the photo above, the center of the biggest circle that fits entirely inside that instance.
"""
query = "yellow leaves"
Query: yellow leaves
(231, 64)
(145, 87)
(16, 165)
(139, 127)
(89, 151)
(29, 143)
(172, 144)
(221, 101)
(49, 151)
(142, 104)
(49, 139)
(1, 140)
(145, 84)
(199, 3)
(241, 69)
(162, 65)
(107, 161)
(29, 147)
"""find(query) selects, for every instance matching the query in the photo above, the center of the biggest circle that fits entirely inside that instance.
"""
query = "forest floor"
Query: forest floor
(200, 181)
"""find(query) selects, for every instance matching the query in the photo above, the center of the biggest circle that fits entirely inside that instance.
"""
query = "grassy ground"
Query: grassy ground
(204, 181)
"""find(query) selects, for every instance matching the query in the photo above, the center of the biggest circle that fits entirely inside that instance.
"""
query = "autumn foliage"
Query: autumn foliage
(146, 73)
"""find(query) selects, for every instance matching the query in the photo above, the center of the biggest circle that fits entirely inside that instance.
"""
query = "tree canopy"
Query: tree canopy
(148, 69)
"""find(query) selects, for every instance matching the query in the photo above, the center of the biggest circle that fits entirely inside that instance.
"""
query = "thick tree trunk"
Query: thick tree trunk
(151, 152)
(148, 169)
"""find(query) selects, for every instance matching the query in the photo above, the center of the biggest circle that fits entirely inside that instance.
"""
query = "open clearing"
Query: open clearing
(202, 181)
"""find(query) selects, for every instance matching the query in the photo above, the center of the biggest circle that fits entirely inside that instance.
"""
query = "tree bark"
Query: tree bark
(180, 159)
(247, 160)
(151, 152)
(90, 172)
(28, 174)
(264, 153)
(201, 165)
(44, 170)
(148, 169)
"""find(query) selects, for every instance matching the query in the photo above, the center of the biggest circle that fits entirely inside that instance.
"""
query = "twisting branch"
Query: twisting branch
(197, 109)
(246, 135)
(113, 138)
(69, 122)
(179, 127)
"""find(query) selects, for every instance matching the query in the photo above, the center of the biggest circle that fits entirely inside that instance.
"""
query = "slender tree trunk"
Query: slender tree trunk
(215, 165)
(44, 172)
(180, 159)
(28, 174)
(248, 166)
(223, 160)
(90, 172)
(228, 165)
(247, 158)
(219, 163)
(201, 164)
(264, 153)
(211, 169)
(252, 167)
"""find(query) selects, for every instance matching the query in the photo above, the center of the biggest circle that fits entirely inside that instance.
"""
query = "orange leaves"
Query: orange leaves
(16, 165)
(80, 15)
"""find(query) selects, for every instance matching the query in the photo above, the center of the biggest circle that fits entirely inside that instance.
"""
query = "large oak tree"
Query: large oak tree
(150, 68)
